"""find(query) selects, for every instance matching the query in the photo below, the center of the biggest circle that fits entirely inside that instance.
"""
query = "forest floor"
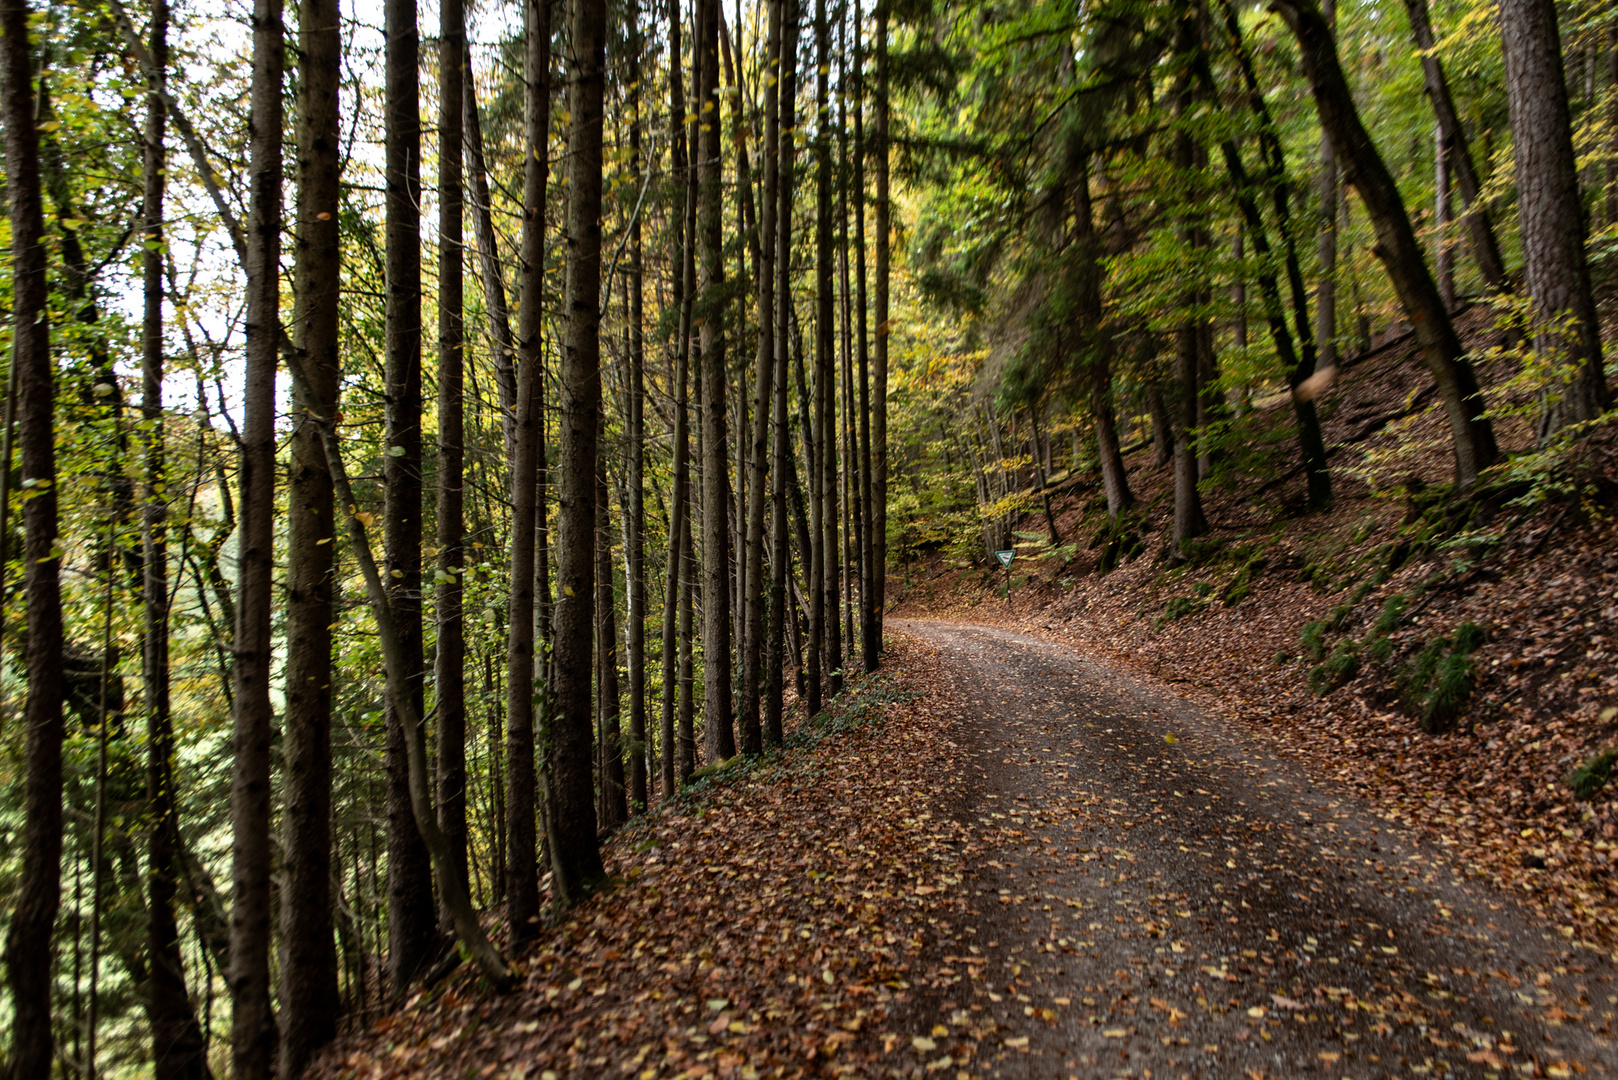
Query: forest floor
(1000, 858)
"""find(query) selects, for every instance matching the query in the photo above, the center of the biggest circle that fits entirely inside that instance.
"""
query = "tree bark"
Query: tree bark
(826, 358)
(879, 358)
(450, 654)
(1189, 521)
(38, 895)
(576, 868)
(1550, 210)
(870, 634)
(614, 804)
(1481, 240)
(411, 919)
(782, 121)
(1473, 435)
(503, 346)
(1443, 258)
(522, 798)
(1330, 193)
(635, 520)
(1093, 335)
(309, 994)
(754, 734)
(178, 1052)
(253, 1032)
(718, 736)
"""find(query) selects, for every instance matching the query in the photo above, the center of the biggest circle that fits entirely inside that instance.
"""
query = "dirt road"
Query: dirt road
(1156, 895)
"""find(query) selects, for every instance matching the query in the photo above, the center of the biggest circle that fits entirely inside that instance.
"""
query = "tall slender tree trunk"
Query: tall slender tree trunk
(853, 520)
(178, 1052)
(576, 868)
(614, 802)
(1443, 257)
(252, 1032)
(411, 921)
(491, 274)
(309, 994)
(1092, 315)
(718, 736)
(1189, 521)
(752, 730)
(522, 871)
(1330, 193)
(450, 654)
(1481, 240)
(677, 617)
(1551, 212)
(635, 519)
(1473, 435)
(879, 360)
(870, 637)
(38, 895)
(782, 120)
(826, 358)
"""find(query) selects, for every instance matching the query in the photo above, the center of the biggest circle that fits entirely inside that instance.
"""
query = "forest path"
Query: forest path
(1153, 893)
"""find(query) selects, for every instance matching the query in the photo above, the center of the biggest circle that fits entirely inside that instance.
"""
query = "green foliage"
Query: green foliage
(1341, 666)
(1312, 639)
(1593, 774)
(1178, 607)
(1392, 615)
(1436, 684)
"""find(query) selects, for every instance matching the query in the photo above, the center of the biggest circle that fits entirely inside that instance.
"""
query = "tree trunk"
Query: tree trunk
(1481, 240)
(635, 519)
(1330, 193)
(782, 120)
(1443, 258)
(1551, 212)
(522, 871)
(870, 636)
(1093, 332)
(614, 804)
(309, 995)
(253, 1032)
(680, 376)
(1295, 345)
(576, 868)
(752, 730)
(718, 737)
(1474, 445)
(411, 922)
(1189, 521)
(38, 891)
(879, 364)
(502, 345)
(810, 543)
(1162, 427)
(677, 749)
(853, 521)
(450, 654)
(825, 359)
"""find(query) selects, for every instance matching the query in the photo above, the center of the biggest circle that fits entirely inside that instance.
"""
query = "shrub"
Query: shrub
(1341, 666)
(1177, 608)
(1313, 640)
(1447, 697)
(1592, 775)
(1391, 616)
(1438, 682)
